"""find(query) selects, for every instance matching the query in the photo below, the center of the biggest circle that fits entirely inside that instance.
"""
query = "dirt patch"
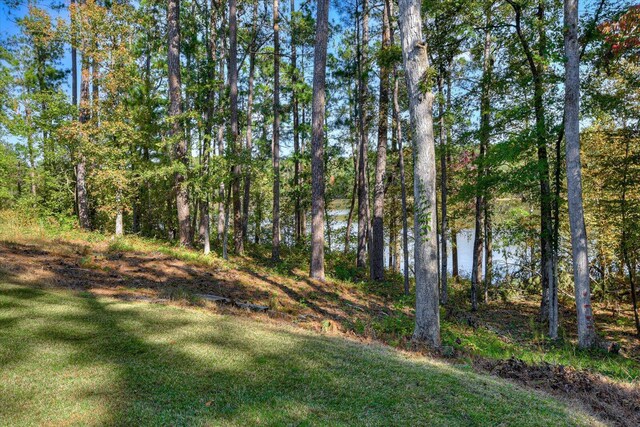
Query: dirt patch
(154, 275)
(615, 403)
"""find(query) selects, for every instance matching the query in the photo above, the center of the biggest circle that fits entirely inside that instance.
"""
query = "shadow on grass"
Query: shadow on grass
(86, 360)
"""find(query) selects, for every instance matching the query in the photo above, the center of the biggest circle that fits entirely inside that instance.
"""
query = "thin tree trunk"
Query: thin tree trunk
(81, 168)
(119, 216)
(249, 140)
(299, 213)
(416, 65)
(403, 187)
(275, 248)
(443, 198)
(225, 238)
(205, 223)
(221, 93)
(363, 190)
(377, 247)
(317, 141)
(175, 112)
(31, 152)
(488, 244)
(630, 267)
(74, 60)
(354, 191)
(347, 234)
(546, 227)
(586, 327)
(485, 123)
(221, 189)
(236, 171)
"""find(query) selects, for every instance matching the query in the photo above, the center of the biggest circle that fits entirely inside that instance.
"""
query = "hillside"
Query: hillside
(149, 278)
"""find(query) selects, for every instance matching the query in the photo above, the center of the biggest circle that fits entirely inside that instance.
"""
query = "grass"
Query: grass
(74, 358)
(488, 344)
(367, 309)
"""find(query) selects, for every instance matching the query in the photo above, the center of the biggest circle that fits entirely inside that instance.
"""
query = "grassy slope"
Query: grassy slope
(73, 358)
(350, 305)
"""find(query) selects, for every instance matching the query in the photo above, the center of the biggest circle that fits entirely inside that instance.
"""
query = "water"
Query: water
(506, 257)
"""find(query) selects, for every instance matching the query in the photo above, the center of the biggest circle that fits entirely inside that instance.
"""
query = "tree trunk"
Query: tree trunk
(377, 242)
(119, 216)
(317, 141)
(403, 186)
(298, 210)
(488, 245)
(175, 111)
(275, 248)
(354, 191)
(236, 171)
(363, 188)
(247, 175)
(416, 65)
(485, 123)
(74, 61)
(546, 227)
(81, 167)
(221, 190)
(586, 328)
(443, 198)
(205, 223)
(630, 267)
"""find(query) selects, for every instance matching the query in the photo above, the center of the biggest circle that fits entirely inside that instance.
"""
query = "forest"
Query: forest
(278, 193)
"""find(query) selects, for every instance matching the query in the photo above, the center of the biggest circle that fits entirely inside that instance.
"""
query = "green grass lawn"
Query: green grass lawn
(77, 359)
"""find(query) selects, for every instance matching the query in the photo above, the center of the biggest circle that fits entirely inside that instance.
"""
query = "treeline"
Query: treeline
(221, 124)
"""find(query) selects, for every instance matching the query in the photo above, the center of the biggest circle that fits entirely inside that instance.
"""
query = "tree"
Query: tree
(377, 240)
(275, 249)
(317, 141)
(485, 118)
(416, 66)
(238, 240)
(175, 113)
(586, 328)
(536, 62)
(363, 129)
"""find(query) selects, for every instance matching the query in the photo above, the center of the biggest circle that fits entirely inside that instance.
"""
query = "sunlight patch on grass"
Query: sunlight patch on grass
(81, 359)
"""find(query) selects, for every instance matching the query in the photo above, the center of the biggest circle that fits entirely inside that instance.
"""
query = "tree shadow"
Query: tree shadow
(145, 364)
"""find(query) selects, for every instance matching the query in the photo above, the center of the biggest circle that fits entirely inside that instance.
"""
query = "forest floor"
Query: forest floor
(503, 338)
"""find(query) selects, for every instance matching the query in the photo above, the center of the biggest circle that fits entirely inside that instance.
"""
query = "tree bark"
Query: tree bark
(586, 328)
(180, 152)
(236, 171)
(377, 241)
(443, 197)
(81, 167)
(74, 60)
(488, 245)
(205, 223)
(275, 247)
(249, 142)
(485, 133)
(416, 65)
(546, 227)
(403, 187)
(317, 141)
(363, 188)
(299, 212)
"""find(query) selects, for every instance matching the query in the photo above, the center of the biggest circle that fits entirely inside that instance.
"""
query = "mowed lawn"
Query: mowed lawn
(69, 358)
